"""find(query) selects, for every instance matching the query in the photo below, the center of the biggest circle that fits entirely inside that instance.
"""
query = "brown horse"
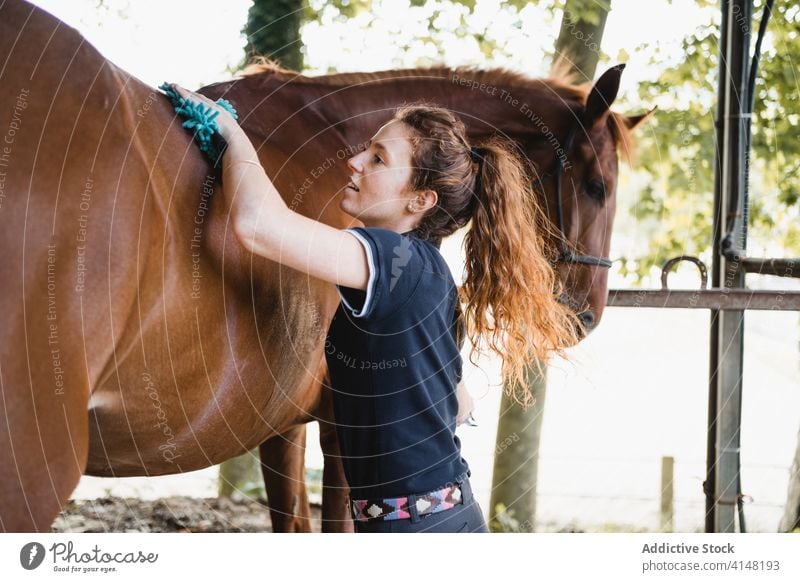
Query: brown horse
(137, 336)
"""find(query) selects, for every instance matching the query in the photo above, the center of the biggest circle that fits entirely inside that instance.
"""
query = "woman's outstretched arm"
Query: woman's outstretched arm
(266, 226)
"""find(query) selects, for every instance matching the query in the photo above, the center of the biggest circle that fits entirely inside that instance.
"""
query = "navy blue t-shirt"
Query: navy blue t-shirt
(394, 361)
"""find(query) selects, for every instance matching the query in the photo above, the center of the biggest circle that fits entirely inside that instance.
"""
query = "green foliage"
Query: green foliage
(676, 150)
(348, 8)
(314, 481)
(586, 10)
(438, 25)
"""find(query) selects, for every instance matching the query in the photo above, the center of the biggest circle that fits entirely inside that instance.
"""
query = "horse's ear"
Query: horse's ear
(633, 121)
(602, 95)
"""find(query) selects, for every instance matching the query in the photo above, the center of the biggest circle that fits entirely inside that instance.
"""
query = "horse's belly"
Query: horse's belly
(153, 428)
(149, 434)
(203, 385)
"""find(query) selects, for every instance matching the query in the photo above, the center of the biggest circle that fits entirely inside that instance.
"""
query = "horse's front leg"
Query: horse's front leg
(283, 467)
(44, 441)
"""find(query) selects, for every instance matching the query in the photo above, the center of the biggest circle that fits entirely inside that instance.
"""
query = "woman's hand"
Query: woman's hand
(228, 128)
(465, 404)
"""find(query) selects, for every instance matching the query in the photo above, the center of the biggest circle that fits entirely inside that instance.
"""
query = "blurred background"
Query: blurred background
(635, 391)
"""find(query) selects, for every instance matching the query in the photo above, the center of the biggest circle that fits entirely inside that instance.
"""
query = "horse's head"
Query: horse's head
(579, 183)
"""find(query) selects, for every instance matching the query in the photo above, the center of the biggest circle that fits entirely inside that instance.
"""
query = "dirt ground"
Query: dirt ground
(170, 514)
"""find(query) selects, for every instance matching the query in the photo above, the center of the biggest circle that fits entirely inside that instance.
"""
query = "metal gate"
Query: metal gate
(727, 298)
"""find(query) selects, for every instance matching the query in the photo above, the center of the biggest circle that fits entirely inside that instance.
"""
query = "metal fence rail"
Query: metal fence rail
(721, 299)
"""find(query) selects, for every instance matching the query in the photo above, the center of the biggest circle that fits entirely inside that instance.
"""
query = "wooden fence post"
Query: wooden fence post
(667, 493)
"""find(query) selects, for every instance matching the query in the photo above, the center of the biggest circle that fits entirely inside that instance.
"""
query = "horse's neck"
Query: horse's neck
(281, 111)
(533, 109)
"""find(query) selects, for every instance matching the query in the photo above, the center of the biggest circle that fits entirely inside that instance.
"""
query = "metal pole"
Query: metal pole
(718, 226)
(727, 327)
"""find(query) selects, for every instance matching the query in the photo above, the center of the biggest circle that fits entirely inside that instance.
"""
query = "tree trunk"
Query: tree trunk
(791, 514)
(516, 463)
(273, 30)
(516, 460)
(240, 477)
(581, 33)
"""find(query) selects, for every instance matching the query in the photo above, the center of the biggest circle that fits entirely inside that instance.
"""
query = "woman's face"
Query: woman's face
(381, 175)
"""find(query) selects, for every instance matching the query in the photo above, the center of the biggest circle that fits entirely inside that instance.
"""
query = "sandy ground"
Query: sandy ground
(170, 514)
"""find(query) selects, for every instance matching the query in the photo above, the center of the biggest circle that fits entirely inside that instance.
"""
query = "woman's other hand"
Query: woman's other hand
(465, 404)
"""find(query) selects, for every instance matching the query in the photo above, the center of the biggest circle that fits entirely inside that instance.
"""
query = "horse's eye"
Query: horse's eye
(596, 189)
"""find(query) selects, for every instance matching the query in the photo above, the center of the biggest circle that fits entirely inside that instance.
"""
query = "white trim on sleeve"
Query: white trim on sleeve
(370, 282)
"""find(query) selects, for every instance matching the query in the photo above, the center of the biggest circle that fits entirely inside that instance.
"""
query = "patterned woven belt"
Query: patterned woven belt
(398, 507)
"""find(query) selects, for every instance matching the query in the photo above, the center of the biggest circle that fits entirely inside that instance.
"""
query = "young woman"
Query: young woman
(393, 347)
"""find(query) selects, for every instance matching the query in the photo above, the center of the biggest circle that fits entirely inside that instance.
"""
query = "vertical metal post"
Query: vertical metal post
(718, 226)
(727, 327)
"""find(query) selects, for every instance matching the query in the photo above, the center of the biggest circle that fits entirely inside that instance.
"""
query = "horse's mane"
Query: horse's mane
(561, 80)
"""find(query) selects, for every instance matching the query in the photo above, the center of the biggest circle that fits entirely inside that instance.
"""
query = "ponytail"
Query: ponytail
(510, 292)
